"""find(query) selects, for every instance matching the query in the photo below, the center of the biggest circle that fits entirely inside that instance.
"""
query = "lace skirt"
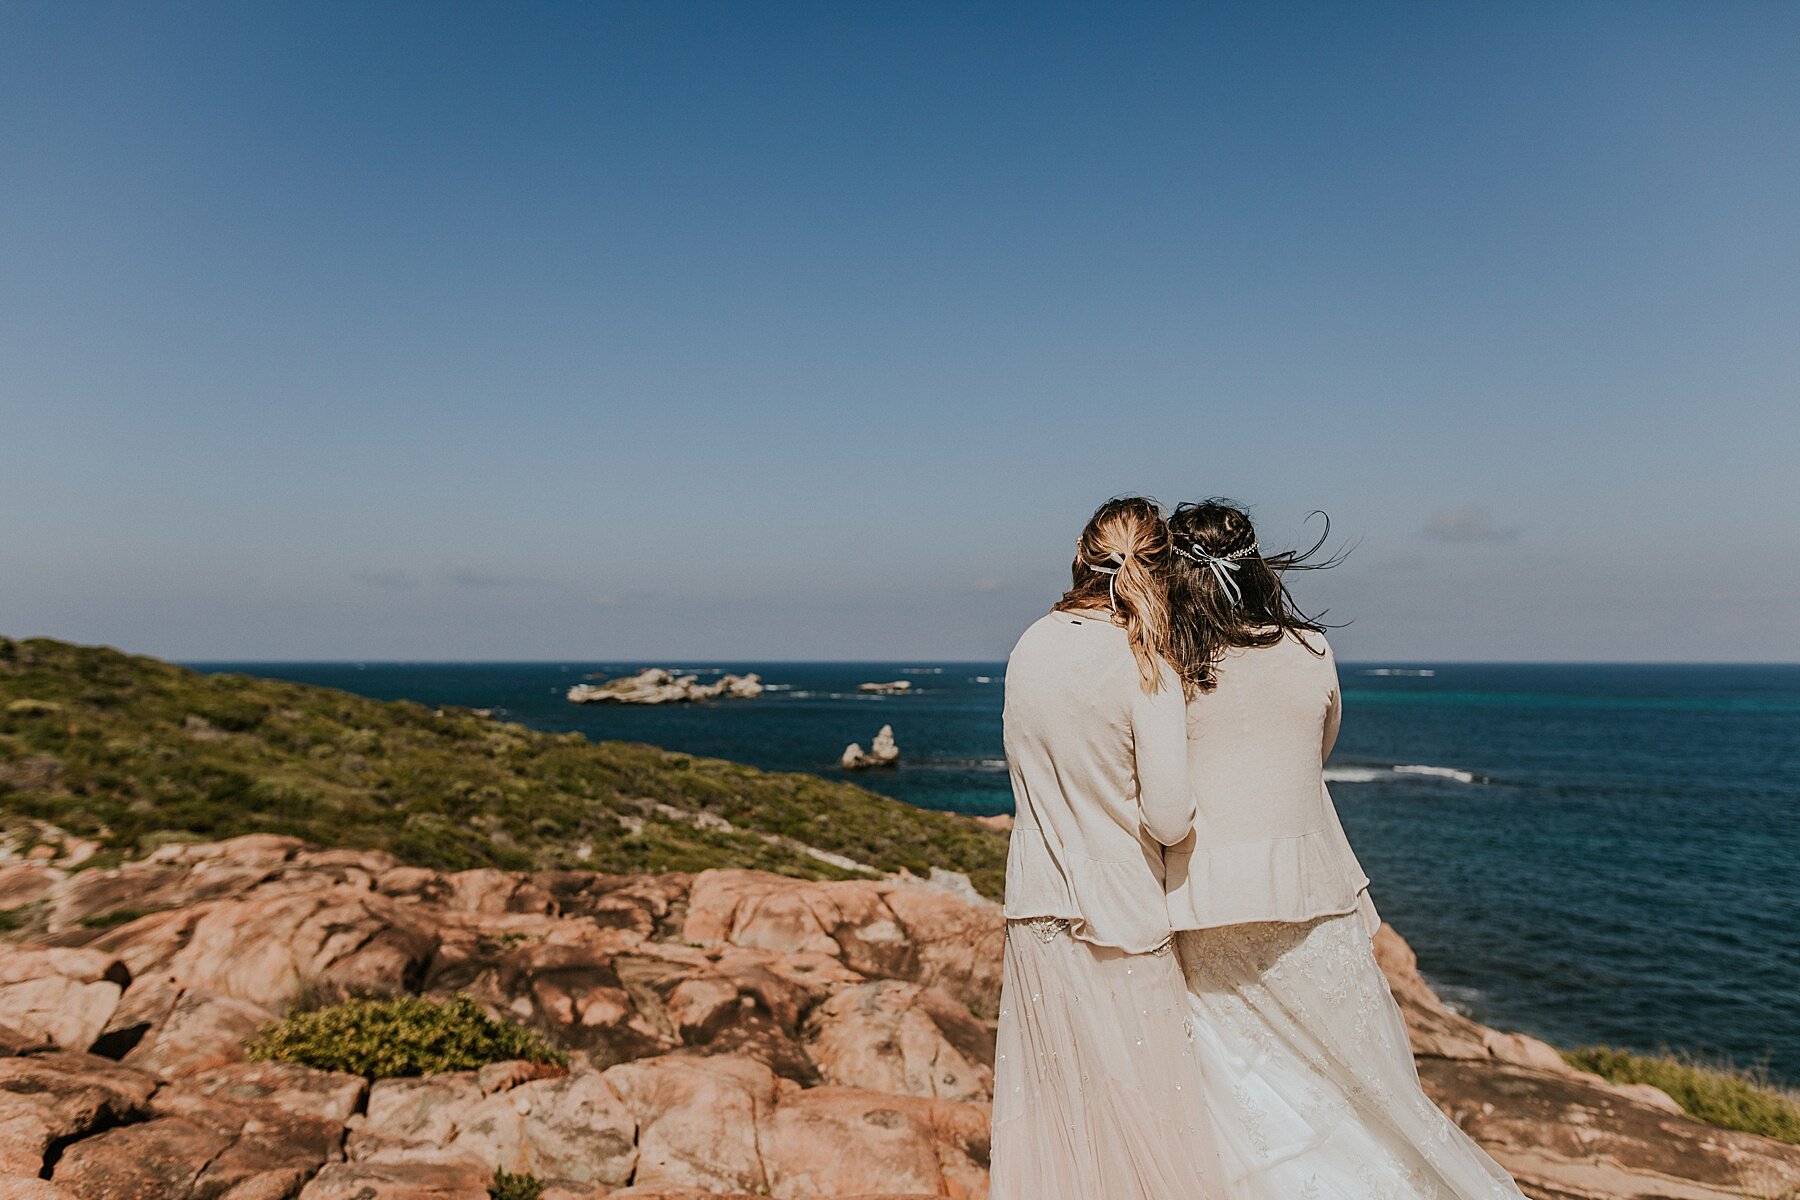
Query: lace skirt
(1095, 1092)
(1308, 1074)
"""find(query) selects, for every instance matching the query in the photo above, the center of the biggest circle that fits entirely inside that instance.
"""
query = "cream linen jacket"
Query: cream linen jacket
(1268, 845)
(1100, 782)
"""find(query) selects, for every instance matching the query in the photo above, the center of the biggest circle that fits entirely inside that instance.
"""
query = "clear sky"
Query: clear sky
(705, 330)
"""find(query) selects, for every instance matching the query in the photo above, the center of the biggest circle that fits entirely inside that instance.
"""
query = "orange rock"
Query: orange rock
(291, 1087)
(697, 1120)
(573, 1127)
(491, 891)
(826, 1143)
(52, 1098)
(692, 1063)
(1564, 1135)
(26, 883)
(699, 1008)
(64, 995)
(268, 950)
(172, 1030)
(891, 1036)
(891, 929)
(399, 1181)
(23, 1187)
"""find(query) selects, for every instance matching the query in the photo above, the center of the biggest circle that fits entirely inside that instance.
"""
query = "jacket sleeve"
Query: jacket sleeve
(1334, 710)
(1334, 715)
(1159, 739)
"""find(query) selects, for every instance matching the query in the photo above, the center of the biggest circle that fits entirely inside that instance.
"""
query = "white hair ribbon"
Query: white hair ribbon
(1223, 568)
(1112, 572)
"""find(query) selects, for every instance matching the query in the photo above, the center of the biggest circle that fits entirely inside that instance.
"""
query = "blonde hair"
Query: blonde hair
(1122, 563)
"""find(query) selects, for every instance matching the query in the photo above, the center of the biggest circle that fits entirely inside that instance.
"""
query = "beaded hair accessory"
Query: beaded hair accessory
(1222, 566)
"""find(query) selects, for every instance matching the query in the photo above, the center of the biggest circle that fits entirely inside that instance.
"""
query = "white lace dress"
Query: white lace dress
(1096, 1095)
(1309, 1084)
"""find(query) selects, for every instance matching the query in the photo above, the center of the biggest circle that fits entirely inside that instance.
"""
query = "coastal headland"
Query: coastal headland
(746, 983)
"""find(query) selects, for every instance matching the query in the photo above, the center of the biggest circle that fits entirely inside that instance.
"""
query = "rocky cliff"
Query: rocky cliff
(730, 1032)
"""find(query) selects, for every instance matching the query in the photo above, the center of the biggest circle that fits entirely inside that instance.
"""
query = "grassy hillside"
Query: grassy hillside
(134, 752)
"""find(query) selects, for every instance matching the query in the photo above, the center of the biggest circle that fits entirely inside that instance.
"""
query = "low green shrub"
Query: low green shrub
(29, 707)
(388, 1037)
(1717, 1093)
(510, 1186)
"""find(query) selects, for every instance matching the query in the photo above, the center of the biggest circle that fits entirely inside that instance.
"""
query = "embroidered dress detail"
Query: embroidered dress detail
(1309, 1076)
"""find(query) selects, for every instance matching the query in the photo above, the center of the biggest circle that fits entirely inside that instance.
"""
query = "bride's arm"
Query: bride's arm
(1159, 736)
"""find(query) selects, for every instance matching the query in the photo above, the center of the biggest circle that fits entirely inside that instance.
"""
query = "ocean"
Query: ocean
(1585, 853)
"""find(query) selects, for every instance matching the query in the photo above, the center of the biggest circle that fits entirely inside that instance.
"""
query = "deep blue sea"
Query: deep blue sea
(1585, 853)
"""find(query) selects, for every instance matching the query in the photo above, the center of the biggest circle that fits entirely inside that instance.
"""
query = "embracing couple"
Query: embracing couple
(1191, 1007)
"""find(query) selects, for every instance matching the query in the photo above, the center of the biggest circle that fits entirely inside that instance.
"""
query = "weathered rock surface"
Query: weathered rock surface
(1565, 1137)
(732, 1033)
(65, 996)
(829, 1142)
(49, 1099)
(23, 1187)
(399, 1181)
(891, 1036)
(882, 752)
(658, 686)
(698, 1121)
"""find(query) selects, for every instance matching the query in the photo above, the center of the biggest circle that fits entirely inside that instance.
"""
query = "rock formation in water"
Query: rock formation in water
(654, 685)
(730, 1032)
(882, 752)
(895, 688)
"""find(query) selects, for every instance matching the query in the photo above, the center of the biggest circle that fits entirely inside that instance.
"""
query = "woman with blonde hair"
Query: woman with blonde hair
(1308, 1077)
(1094, 1093)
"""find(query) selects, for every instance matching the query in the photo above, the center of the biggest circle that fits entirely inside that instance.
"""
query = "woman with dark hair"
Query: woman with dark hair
(1308, 1077)
(1095, 1097)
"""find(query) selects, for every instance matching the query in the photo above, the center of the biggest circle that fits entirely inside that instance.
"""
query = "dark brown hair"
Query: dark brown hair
(1205, 618)
(1122, 563)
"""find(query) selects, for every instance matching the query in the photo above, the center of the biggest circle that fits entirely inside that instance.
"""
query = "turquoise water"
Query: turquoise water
(1591, 853)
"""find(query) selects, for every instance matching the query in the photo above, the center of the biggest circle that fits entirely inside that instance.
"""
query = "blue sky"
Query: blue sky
(815, 331)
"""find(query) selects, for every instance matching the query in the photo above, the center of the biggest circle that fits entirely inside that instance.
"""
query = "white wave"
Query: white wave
(778, 687)
(1462, 1000)
(1355, 774)
(1435, 772)
(1400, 671)
(966, 764)
(982, 679)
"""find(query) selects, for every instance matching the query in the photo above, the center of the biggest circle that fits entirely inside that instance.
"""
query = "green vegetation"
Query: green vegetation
(508, 1186)
(387, 1037)
(1716, 1093)
(135, 752)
